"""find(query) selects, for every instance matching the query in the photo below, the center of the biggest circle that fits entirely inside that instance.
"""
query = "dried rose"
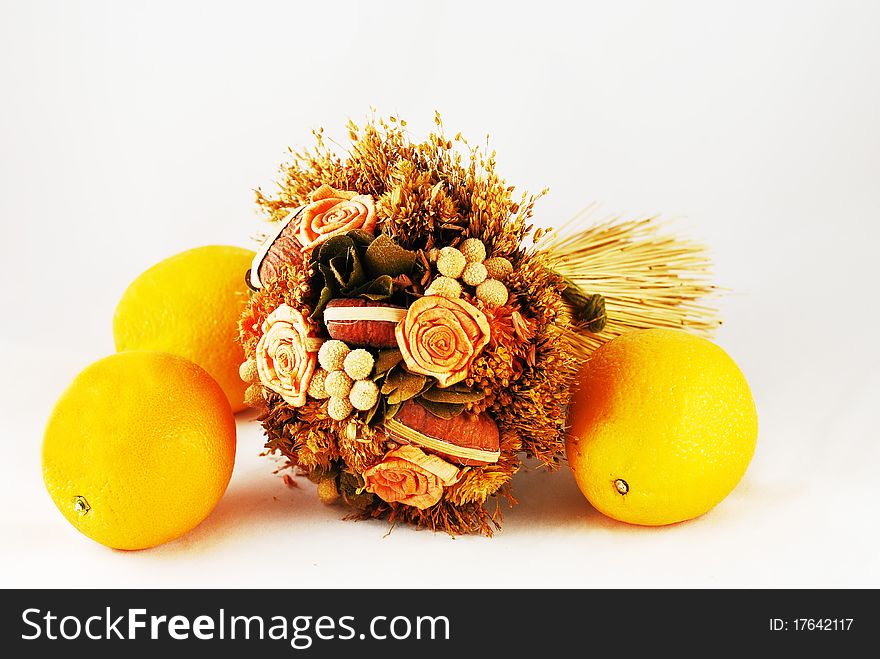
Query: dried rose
(287, 354)
(441, 336)
(410, 476)
(334, 212)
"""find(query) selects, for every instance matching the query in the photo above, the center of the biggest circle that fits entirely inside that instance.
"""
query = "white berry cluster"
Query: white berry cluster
(343, 378)
(253, 395)
(468, 263)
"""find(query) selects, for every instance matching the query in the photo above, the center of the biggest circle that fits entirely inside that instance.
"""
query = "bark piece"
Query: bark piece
(281, 249)
(363, 323)
(461, 439)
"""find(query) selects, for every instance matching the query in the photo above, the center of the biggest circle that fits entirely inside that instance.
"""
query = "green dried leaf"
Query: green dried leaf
(397, 397)
(348, 271)
(333, 247)
(391, 410)
(393, 380)
(429, 382)
(385, 257)
(386, 360)
(372, 411)
(411, 380)
(452, 395)
(410, 385)
(324, 273)
(340, 272)
(441, 410)
(380, 288)
(360, 238)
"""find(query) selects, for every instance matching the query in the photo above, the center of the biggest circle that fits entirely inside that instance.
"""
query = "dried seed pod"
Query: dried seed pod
(332, 355)
(248, 371)
(444, 286)
(339, 409)
(492, 293)
(338, 384)
(317, 389)
(474, 274)
(450, 262)
(253, 396)
(363, 395)
(498, 268)
(474, 250)
(358, 364)
(327, 491)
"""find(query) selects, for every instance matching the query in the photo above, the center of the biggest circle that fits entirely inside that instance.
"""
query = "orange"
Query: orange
(139, 449)
(663, 427)
(189, 305)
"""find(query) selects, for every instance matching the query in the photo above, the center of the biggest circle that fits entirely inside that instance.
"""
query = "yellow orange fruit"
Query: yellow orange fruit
(663, 427)
(139, 449)
(189, 305)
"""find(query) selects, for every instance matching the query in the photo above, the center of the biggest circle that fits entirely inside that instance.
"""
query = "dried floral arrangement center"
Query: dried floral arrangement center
(411, 336)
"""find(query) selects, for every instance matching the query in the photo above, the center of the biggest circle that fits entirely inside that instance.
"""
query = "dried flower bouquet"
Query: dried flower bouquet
(411, 335)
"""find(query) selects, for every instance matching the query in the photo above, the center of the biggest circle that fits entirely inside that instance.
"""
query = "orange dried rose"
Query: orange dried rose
(332, 212)
(287, 354)
(441, 336)
(410, 476)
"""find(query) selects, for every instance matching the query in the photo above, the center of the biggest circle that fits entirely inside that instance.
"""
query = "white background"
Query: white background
(132, 131)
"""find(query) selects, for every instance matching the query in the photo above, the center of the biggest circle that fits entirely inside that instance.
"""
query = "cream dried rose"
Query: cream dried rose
(410, 476)
(287, 354)
(441, 336)
(332, 212)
